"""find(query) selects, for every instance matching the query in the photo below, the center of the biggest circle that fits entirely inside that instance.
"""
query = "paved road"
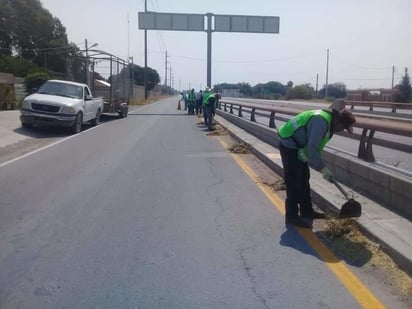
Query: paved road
(150, 212)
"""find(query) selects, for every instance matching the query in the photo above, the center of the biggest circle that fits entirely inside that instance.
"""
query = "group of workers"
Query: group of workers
(301, 143)
(202, 102)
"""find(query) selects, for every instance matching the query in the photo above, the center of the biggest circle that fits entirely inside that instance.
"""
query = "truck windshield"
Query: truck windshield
(61, 89)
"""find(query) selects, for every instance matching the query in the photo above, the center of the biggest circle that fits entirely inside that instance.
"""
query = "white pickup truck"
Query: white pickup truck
(61, 103)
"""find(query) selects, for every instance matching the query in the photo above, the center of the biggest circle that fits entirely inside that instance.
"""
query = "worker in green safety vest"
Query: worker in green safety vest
(301, 142)
(210, 108)
(205, 95)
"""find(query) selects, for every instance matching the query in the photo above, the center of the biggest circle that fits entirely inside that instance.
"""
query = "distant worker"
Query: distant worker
(210, 107)
(192, 102)
(180, 100)
(199, 100)
(186, 99)
(206, 93)
(302, 140)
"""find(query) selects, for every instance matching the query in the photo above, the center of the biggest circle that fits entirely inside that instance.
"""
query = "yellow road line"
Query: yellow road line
(352, 283)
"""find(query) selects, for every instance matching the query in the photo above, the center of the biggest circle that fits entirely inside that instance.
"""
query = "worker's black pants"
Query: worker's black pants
(208, 114)
(296, 174)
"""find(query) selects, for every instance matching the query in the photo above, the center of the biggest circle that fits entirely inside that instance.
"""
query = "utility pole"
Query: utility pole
(132, 83)
(327, 74)
(393, 74)
(87, 62)
(145, 56)
(170, 77)
(166, 70)
(317, 81)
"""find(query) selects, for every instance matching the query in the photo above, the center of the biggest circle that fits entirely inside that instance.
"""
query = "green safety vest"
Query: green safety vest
(205, 96)
(192, 96)
(288, 128)
(214, 100)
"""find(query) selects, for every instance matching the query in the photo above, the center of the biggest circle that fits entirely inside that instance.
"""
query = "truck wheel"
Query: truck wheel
(27, 125)
(123, 112)
(77, 126)
(96, 120)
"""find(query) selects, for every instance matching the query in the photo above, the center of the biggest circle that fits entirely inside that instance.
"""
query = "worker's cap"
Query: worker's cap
(347, 119)
(207, 88)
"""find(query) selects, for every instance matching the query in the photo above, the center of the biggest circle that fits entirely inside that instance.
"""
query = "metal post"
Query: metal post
(393, 75)
(209, 49)
(132, 77)
(327, 74)
(111, 83)
(87, 63)
(170, 78)
(145, 56)
(166, 72)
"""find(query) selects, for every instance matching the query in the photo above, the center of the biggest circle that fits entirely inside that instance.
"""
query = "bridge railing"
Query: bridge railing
(368, 125)
(372, 104)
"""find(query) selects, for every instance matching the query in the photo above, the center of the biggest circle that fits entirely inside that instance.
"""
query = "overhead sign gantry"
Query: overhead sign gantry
(209, 23)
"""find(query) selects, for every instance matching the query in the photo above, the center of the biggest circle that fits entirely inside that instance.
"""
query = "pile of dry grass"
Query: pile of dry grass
(278, 185)
(352, 245)
(218, 131)
(241, 148)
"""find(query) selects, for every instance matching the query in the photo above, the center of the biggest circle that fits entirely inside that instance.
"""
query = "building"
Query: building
(376, 95)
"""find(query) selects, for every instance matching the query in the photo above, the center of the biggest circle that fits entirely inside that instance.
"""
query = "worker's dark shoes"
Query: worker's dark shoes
(299, 222)
(314, 215)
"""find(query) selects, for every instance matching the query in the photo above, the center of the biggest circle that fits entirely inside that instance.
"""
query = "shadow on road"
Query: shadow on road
(44, 131)
(352, 252)
(291, 238)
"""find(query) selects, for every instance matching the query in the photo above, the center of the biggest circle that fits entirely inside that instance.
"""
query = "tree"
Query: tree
(404, 88)
(336, 90)
(304, 92)
(33, 81)
(17, 66)
(30, 31)
(244, 88)
(269, 90)
(152, 76)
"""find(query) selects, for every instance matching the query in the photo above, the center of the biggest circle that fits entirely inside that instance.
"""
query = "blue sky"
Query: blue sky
(365, 38)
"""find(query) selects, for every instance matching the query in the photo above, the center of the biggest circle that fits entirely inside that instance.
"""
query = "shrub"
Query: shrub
(33, 81)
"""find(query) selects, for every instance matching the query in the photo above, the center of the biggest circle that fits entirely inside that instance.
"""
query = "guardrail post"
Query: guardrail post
(225, 107)
(371, 107)
(240, 111)
(231, 108)
(252, 115)
(393, 108)
(272, 120)
(365, 147)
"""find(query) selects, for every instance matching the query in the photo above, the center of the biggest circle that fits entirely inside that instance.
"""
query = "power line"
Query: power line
(359, 66)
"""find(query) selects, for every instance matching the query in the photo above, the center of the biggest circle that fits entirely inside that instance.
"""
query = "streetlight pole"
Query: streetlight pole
(327, 74)
(87, 61)
(145, 56)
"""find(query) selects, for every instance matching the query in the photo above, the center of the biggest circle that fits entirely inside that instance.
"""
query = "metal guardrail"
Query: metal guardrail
(368, 125)
(371, 104)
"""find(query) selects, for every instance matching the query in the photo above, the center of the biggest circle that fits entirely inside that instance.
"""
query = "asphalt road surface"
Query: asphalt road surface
(151, 212)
